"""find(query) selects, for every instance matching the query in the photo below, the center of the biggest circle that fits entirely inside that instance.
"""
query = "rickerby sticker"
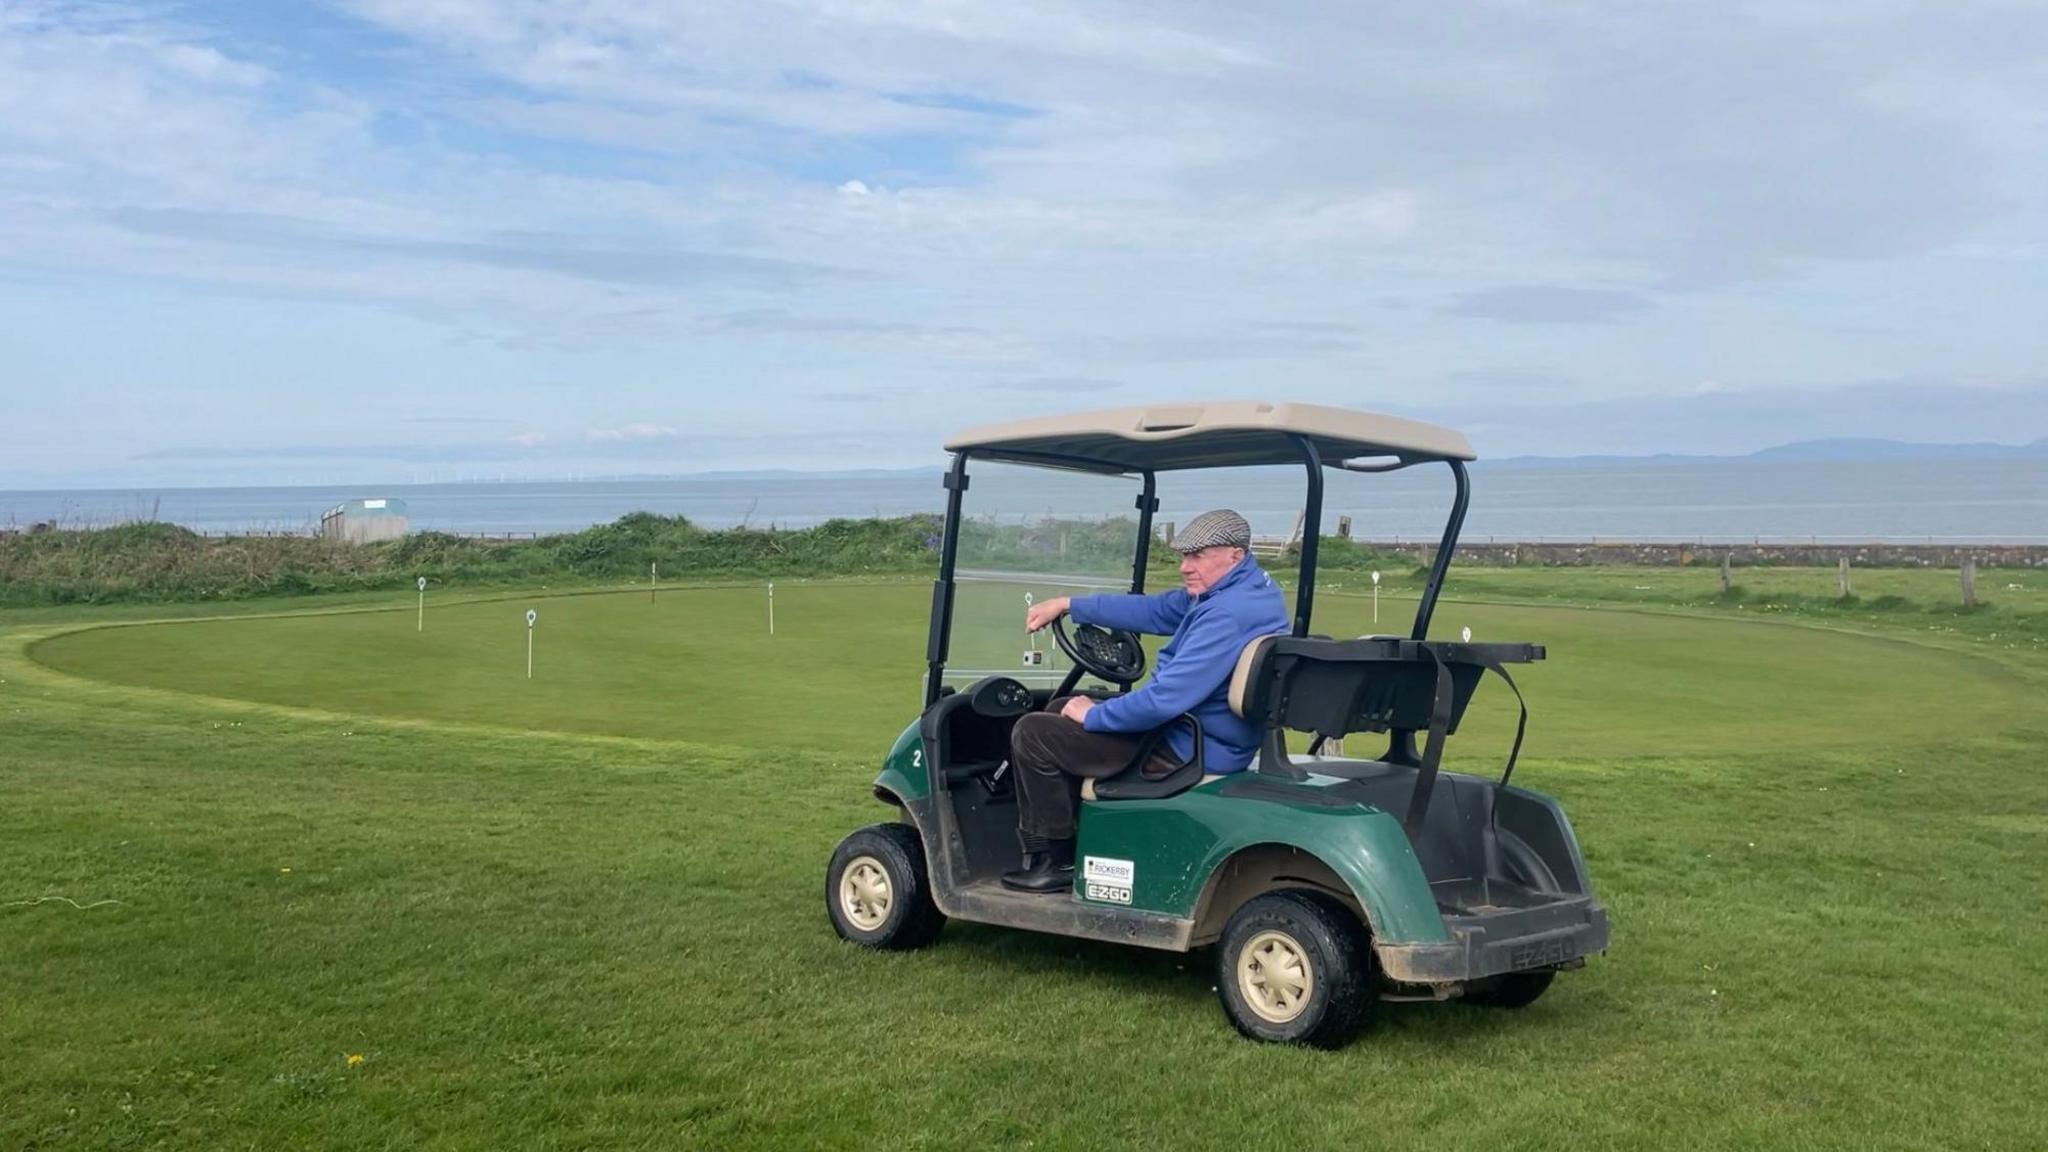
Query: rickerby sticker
(1108, 871)
(1107, 879)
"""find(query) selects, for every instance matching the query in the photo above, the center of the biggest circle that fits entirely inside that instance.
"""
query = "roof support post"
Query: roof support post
(1311, 535)
(1148, 503)
(939, 639)
(1449, 545)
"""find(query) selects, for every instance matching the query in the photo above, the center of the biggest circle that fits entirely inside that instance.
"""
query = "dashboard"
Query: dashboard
(999, 696)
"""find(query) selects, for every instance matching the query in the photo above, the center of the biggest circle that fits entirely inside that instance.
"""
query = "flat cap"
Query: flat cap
(1218, 528)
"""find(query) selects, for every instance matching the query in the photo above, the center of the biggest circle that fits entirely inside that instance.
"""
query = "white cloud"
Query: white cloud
(848, 194)
(632, 433)
(1503, 152)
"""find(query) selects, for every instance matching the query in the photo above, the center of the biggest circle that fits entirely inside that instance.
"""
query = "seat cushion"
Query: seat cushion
(1241, 679)
(1088, 786)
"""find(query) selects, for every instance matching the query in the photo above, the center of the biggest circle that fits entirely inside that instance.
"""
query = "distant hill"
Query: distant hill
(1829, 451)
(1826, 451)
(1900, 450)
(805, 474)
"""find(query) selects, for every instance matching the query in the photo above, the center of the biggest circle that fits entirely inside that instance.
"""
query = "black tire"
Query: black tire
(1315, 936)
(1514, 990)
(907, 918)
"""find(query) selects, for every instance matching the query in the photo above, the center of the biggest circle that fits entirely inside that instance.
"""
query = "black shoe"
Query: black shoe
(1047, 869)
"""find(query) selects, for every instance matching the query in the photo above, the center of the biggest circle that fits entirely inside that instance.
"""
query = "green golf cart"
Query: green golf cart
(1327, 883)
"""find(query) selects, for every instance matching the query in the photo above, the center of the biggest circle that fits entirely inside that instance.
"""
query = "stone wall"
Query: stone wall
(1593, 553)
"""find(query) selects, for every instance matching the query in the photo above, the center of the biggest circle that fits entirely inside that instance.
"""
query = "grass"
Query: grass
(2011, 612)
(843, 671)
(585, 912)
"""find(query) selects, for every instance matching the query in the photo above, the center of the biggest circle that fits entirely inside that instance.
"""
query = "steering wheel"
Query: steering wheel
(1111, 654)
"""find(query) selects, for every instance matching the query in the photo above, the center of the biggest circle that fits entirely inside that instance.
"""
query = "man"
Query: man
(1226, 600)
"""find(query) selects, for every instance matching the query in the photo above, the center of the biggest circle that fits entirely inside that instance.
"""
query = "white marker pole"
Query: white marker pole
(771, 607)
(423, 604)
(653, 574)
(1375, 596)
(531, 618)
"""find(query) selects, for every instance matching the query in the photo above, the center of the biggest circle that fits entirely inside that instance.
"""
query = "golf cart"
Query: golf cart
(1326, 882)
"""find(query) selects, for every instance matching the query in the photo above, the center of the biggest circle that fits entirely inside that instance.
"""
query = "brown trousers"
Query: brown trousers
(1051, 754)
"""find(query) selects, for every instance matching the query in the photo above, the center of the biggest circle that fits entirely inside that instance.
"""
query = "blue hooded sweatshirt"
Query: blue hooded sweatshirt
(1193, 671)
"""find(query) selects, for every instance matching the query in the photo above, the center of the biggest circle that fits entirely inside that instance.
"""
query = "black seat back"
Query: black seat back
(1335, 687)
(1380, 684)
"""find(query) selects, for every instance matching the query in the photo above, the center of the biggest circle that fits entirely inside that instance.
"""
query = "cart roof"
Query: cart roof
(1164, 437)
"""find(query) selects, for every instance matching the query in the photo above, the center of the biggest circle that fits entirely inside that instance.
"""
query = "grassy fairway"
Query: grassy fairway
(842, 672)
(1822, 852)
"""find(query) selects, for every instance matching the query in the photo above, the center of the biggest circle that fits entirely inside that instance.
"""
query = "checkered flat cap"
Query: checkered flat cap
(1218, 528)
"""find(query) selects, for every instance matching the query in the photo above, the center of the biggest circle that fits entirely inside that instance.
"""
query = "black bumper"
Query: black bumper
(1492, 943)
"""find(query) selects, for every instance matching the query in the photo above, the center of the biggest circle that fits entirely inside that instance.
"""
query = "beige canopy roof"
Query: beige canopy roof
(1211, 435)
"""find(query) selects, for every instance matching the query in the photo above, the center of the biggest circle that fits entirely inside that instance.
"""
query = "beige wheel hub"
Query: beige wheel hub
(1274, 977)
(864, 893)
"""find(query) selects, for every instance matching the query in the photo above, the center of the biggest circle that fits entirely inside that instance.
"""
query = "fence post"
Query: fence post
(1969, 581)
(1842, 578)
(1724, 573)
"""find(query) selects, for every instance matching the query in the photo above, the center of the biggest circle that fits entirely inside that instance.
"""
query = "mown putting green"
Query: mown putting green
(843, 670)
(1822, 853)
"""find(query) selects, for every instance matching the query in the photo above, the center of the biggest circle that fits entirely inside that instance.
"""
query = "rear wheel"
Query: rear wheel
(877, 892)
(1295, 968)
(1514, 990)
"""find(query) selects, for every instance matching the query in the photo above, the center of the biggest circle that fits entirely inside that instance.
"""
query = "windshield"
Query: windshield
(1027, 535)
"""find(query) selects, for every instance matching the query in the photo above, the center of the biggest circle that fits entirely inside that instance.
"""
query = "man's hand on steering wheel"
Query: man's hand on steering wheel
(1045, 612)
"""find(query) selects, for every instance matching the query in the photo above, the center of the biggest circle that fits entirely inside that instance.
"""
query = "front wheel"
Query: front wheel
(877, 892)
(1295, 968)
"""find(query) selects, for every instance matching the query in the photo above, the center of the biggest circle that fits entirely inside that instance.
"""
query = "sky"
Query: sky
(378, 240)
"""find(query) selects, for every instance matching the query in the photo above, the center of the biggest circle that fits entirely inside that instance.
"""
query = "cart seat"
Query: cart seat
(1373, 684)
(1128, 785)
(1088, 786)
(1240, 680)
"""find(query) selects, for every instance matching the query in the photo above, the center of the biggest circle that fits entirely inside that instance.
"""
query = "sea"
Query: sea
(1941, 501)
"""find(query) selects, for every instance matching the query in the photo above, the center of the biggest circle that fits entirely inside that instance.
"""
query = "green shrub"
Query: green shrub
(157, 562)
